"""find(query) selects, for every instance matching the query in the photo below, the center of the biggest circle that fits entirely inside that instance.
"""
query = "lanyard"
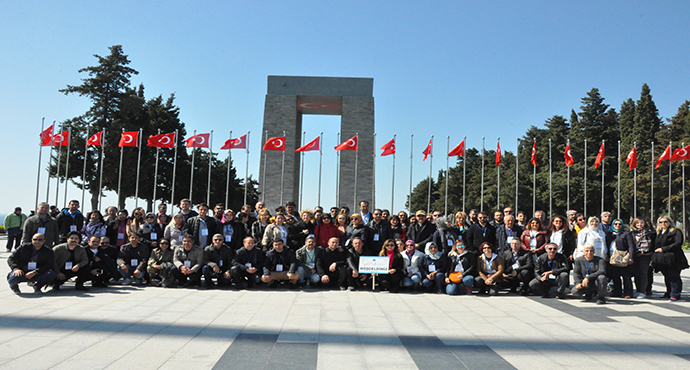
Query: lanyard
(550, 265)
(483, 230)
(587, 265)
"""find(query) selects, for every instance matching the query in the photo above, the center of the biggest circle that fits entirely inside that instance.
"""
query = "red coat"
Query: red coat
(541, 241)
(323, 232)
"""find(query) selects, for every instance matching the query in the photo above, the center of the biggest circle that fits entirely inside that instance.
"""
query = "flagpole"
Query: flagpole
(119, 172)
(318, 197)
(227, 176)
(431, 159)
(263, 181)
(635, 183)
(100, 181)
(337, 171)
(373, 175)
(585, 183)
(393, 180)
(651, 205)
(301, 171)
(498, 176)
(550, 182)
(50, 159)
(684, 218)
(69, 139)
(670, 163)
(172, 191)
(481, 204)
(210, 161)
(409, 199)
(568, 183)
(619, 179)
(155, 176)
(282, 175)
(246, 170)
(445, 211)
(354, 202)
(517, 165)
(464, 166)
(57, 171)
(83, 173)
(191, 177)
(136, 188)
(603, 163)
(40, 152)
(534, 184)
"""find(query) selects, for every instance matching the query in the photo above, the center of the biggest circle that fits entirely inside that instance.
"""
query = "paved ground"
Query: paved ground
(155, 328)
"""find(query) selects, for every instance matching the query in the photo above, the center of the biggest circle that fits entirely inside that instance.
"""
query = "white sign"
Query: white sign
(373, 265)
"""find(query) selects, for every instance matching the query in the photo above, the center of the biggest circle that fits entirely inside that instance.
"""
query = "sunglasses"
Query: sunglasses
(165, 243)
(38, 240)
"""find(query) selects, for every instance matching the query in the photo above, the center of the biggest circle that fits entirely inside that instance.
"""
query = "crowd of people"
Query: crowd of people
(461, 253)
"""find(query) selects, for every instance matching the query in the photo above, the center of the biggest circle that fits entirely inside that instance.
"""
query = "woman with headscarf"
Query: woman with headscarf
(391, 281)
(619, 239)
(445, 235)
(643, 237)
(433, 267)
(669, 257)
(591, 235)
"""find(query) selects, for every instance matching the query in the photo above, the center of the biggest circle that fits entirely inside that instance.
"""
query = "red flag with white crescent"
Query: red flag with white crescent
(95, 139)
(533, 159)
(312, 145)
(427, 151)
(388, 148)
(198, 141)
(236, 143)
(681, 154)
(47, 136)
(275, 143)
(631, 160)
(569, 160)
(664, 156)
(61, 139)
(458, 150)
(349, 144)
(498, 154)
(600, 156)
(162, 140)
(129, 138)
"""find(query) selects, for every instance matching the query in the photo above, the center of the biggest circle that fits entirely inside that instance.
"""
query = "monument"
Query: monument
(287, 100)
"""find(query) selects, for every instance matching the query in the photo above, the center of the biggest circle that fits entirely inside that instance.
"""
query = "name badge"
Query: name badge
(72, 228)
(586, 276)
(409, 270)
(450, 242)
(32, 265)
(279, 267)
(221, 263)
(204, 232)
(120, 236)
(516, 265)
(41, 230)
(68, 265)
(154, 236)
(248, 265)
(179, 238)
(432, 268)
(598, 245)
(376, 237)
(228, 238)
(134, 262)
(459, 268)
(533, 242)
(188, 264)
(311, 265)
(552, 276)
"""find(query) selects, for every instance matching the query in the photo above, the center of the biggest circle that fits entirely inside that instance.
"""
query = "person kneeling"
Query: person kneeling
(433, 267)
(247, 264)
(518, 267)
(161, 264)
(31, 262)
(188, 262)
(490, 267)
(462, 270)
(306, 262)
(331, 265)
(217, 262)
(280, 264)
(589, 272)
(551, 270)
(71, 261)
(132, 261)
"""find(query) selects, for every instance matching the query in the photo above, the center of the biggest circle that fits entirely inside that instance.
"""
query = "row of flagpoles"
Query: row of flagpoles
(169, 140)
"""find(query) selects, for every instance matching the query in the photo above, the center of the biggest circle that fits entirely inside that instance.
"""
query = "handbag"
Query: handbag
(619, 258)
(455, 277)
(662, 259)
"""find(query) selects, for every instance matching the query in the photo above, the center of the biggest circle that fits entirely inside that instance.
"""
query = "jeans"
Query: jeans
(41, 280)
(414, 280)
(194, 277)
(674, 284)
(14, 236)
(209, 275)
(305, 275)
(456, 288)
(439, 280)
(242, 276)
(130, 274)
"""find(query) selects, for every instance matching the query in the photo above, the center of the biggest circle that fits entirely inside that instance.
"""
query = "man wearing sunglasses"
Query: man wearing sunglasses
(33, 263)
(551, 270)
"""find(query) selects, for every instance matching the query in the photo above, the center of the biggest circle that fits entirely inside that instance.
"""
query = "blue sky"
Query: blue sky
(450, 68)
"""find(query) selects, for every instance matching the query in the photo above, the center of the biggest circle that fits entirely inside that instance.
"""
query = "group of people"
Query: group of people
(455, 254)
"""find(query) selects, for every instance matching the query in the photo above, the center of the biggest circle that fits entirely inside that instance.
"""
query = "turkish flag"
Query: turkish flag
(61, 139)
(275, 143)
(312, 145)
(95, 139)
(665, 155)
(162, 140)
(681, 154)
(349, 144)
(569, 161)
(498, 154)
(458, 150)
(129, 138)
(236, 143)
(47, 136)
(198, 141)
(533, 159)
(600, 156)
(388, 148)
(631, 160)
(427, 151)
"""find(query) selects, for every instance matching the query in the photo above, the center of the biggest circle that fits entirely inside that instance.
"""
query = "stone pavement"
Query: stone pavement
(155, 328)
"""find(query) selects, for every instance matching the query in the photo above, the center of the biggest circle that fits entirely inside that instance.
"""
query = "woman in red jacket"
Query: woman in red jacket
(325, 230)
(534, 237)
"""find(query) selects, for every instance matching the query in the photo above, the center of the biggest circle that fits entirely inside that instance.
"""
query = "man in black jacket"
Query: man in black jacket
(518, 267)
(217, 263)
(551, 270)
(331, 265)
(31, 262)
(69, 220)
(247, 265)
(280, 264)
(379, 231)
(589, 273)
(201, 227)
(422, 231)
(117, 230)
(506, 232)
(354, 278)
(479, 233)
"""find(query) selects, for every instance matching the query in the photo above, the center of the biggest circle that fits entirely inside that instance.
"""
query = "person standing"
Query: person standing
(479, 233)
(14, 224)
(201, 227)
(70, 219)
(668, 257)
(41, 223)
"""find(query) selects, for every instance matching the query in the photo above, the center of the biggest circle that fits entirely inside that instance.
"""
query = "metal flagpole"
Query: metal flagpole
(227, 176)
(481, 204)
(282, 175)
(40, 151)
(318, 197)
(301, 171)
(57, 171)
(619, 179)
(464, 167)
(373, 174)
(670, 163)
(393, 181)
(517, 163)
(409, 199)
(263, 180)
(568, 183)
(585, 182)
(100, 181)
(431, 159)
(172, 191)
(50, 159)
(69, 143)
(337, 170)
(246, 170)
(550, 182)
(635, 184)
(354, 202)
(155, 176)
(191, 177)
(651, 193)
(119, 172)
(684, 218)
(498, 178)
(603, 163)
(83, 173)
(136, 191)
(445, 211)
(210, 161)
(534, 186)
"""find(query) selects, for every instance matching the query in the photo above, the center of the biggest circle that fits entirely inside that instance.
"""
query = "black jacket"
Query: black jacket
(559, 264)
(286, 258)
(362, 232)
(244, 256)
(212, 257)
(65, 221)
(502, 234)
(353, 258)
(475, 236)
(20, 258)
(524, 260)
(378, 234)
(442, 237)
(468, 261)
(672, 242)
(590, 270)
(325, 257)
(421, 234)
(193, 227)
(569, 242)
(238, 234)
(440, 264)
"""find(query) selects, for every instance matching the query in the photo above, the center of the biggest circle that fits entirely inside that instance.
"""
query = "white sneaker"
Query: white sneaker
(127, 281)
(640, 296)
